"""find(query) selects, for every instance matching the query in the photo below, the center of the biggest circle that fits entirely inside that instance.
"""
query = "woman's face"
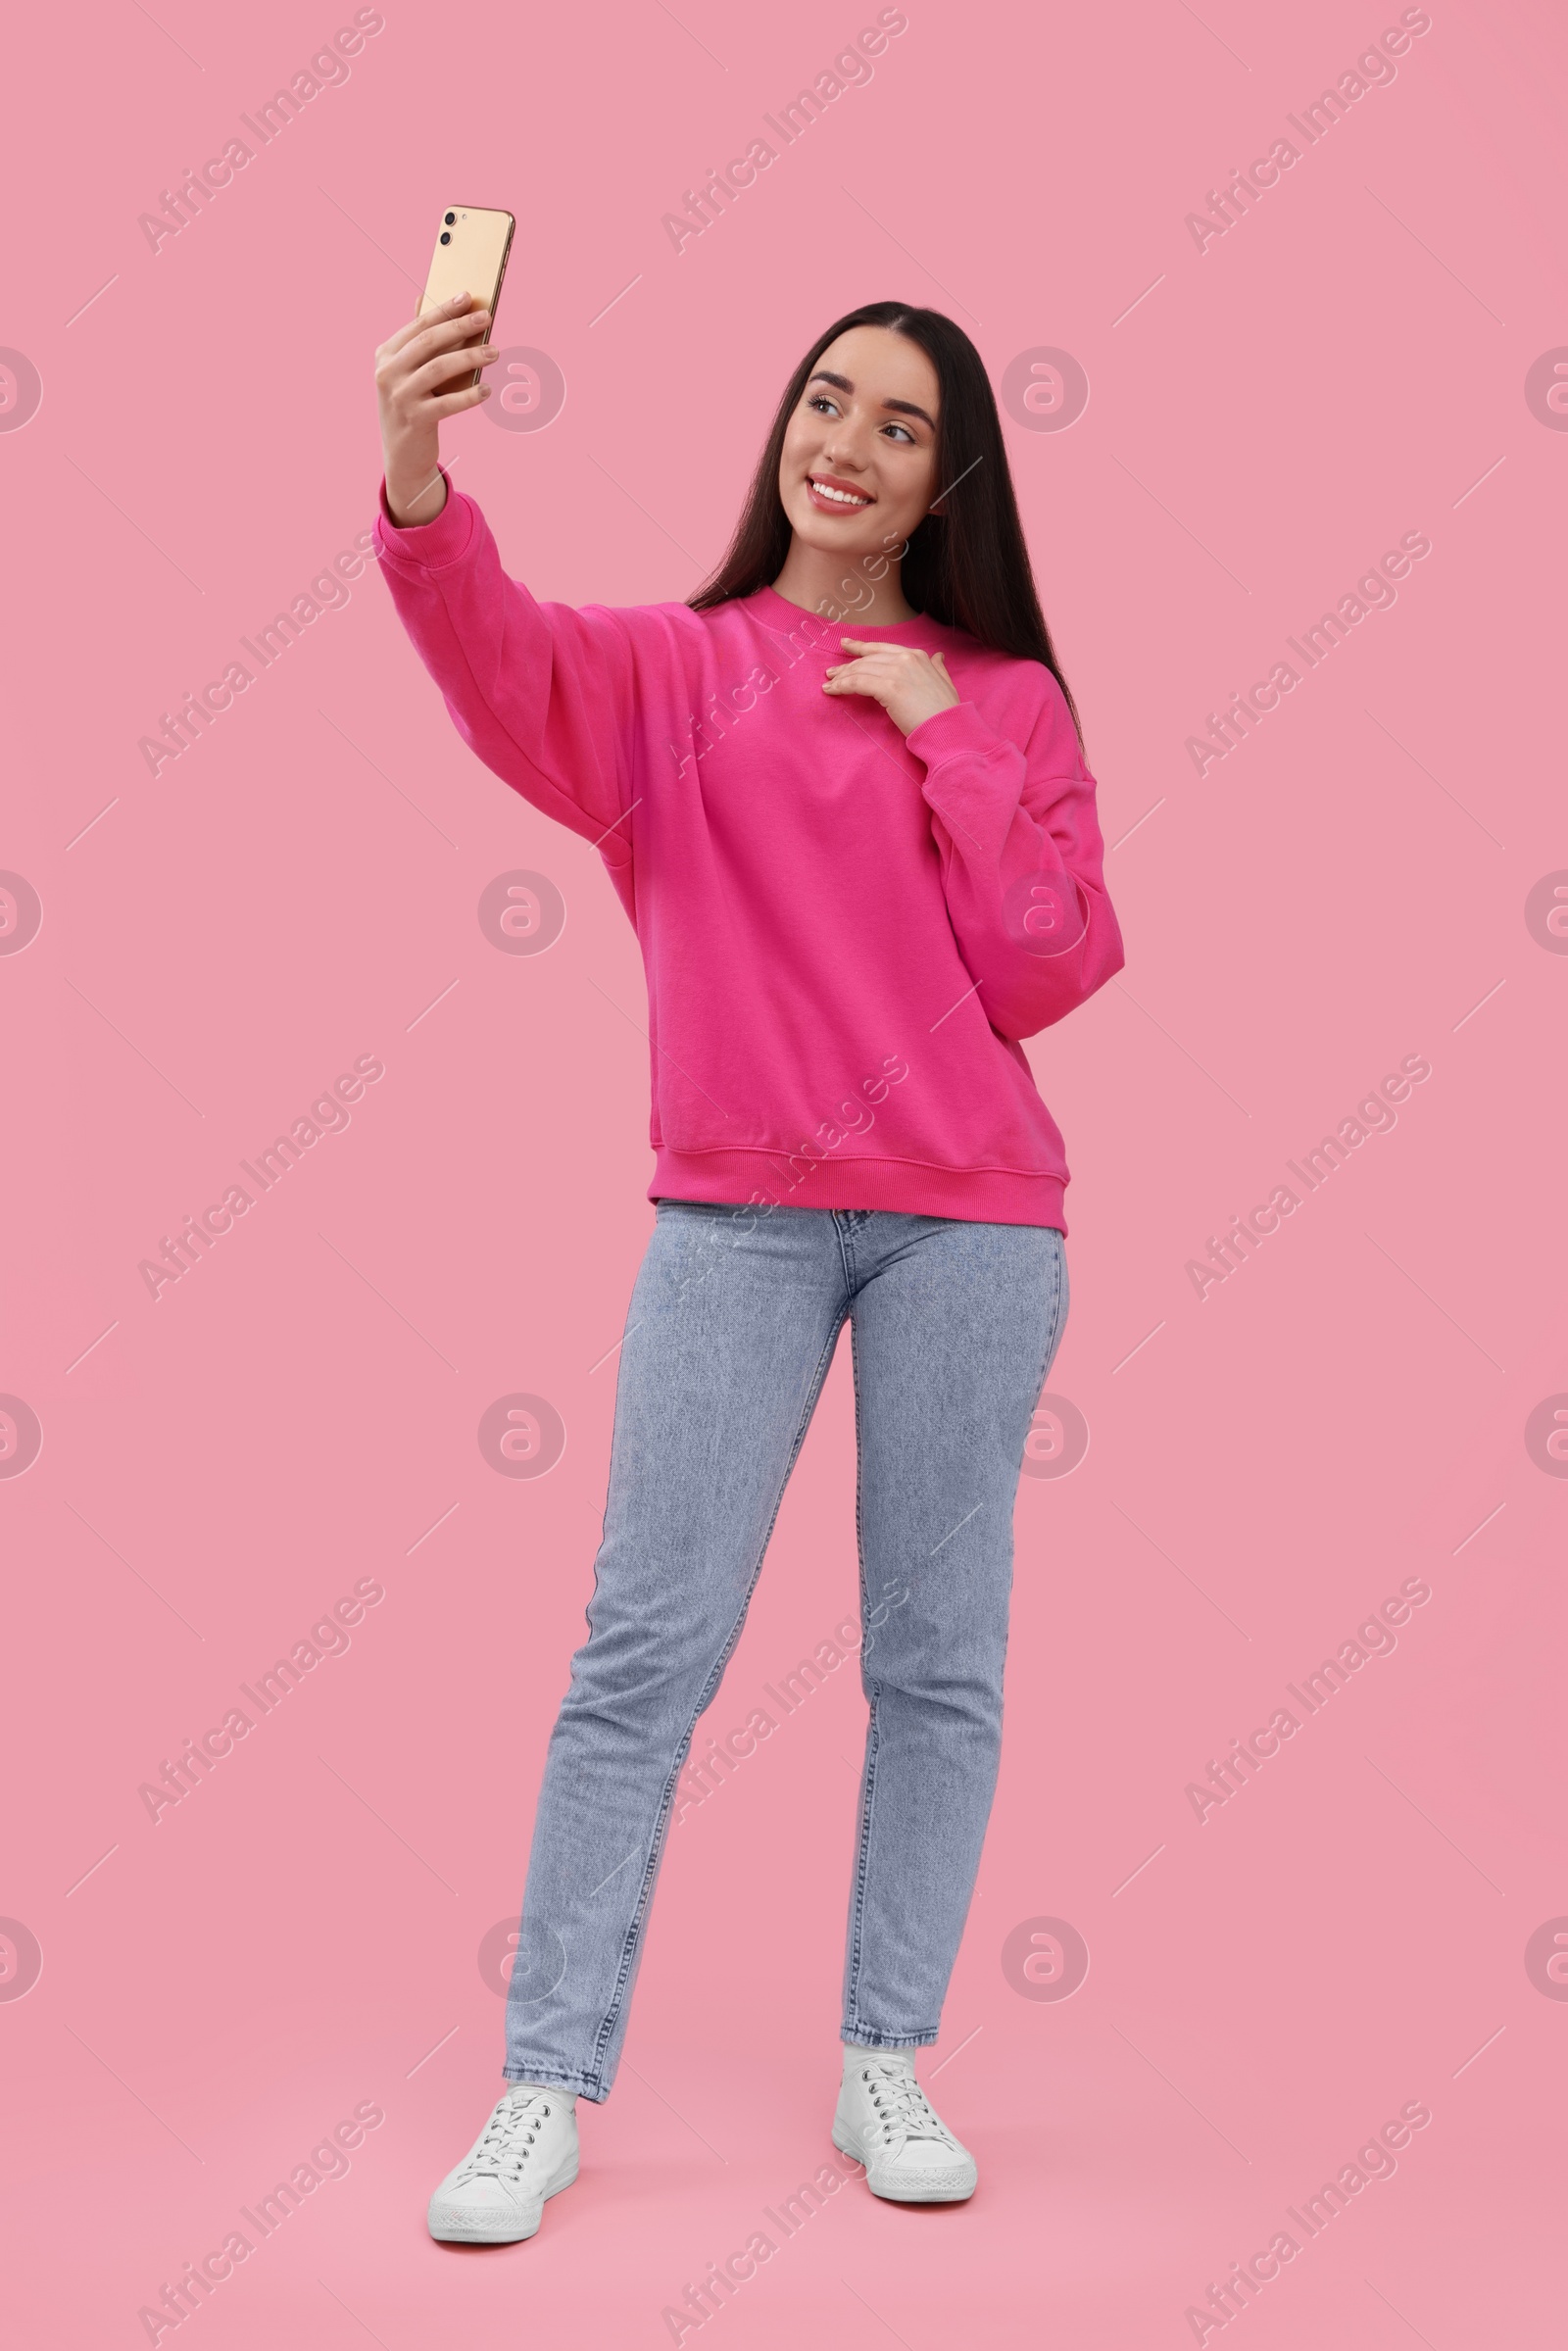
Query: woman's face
(857, 468)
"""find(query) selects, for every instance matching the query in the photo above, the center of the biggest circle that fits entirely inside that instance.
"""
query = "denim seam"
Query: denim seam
(561, 2076)
(586, 2084)
(868, 1780)
(854, 2026)
(1052, 1341)
(845, 1235)
(867, 2034)
(862, 1871)
(1054, 1336)
(709, 1687)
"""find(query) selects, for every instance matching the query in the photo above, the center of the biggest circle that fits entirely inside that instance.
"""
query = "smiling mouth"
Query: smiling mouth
(833, 500)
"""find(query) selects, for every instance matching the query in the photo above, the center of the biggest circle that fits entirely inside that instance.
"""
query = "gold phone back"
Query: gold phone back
(472, 263)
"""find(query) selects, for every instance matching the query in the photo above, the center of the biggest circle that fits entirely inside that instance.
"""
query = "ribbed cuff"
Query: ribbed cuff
(427, 546)
(957, 732)
(974, 778)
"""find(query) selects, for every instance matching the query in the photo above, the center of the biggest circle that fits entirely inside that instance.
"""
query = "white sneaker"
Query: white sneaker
(525, 2152)
(886, 2122)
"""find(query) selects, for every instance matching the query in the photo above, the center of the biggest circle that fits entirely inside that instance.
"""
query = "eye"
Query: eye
(821, 402)
(903, 428)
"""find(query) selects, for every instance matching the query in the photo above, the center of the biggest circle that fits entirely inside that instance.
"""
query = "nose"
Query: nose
(842, 449)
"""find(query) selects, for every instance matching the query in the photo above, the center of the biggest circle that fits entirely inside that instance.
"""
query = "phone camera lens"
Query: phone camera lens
(451, 217)
(444, 238)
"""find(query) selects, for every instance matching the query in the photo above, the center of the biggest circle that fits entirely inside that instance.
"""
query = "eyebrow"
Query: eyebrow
(904, 407)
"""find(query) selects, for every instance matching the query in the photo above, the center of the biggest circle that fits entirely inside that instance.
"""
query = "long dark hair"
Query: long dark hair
(966, 567)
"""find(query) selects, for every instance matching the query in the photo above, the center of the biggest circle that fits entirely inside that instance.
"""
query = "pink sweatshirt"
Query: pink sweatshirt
(846, 933)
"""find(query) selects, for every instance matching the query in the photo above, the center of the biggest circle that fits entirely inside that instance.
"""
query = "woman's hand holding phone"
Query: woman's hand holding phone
(415, 371)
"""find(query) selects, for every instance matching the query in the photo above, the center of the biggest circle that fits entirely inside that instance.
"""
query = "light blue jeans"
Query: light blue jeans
(733, 1325)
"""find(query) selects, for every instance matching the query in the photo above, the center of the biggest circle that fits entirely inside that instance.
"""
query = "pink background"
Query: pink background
(1266, 417)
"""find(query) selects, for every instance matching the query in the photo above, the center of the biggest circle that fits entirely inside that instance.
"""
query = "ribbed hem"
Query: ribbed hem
(906, 1186)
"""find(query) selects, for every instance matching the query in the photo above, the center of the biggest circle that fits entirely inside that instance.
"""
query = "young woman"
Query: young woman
(862, 864)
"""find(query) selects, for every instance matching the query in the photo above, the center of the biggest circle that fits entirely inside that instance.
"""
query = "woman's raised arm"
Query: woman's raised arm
(415, 371)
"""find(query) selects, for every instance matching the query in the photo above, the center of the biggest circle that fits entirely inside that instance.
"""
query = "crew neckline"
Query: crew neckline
(776, 611)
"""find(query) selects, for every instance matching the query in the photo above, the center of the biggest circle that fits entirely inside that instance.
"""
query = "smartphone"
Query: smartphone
(470, 255)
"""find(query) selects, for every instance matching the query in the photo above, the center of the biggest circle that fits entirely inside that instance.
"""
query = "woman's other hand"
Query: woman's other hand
(911, 685)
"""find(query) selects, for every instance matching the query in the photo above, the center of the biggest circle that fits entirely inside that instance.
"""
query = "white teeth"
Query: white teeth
(840, 497)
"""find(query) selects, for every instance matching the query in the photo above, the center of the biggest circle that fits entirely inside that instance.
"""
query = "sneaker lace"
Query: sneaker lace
(510, 2136)
(901, 2108)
